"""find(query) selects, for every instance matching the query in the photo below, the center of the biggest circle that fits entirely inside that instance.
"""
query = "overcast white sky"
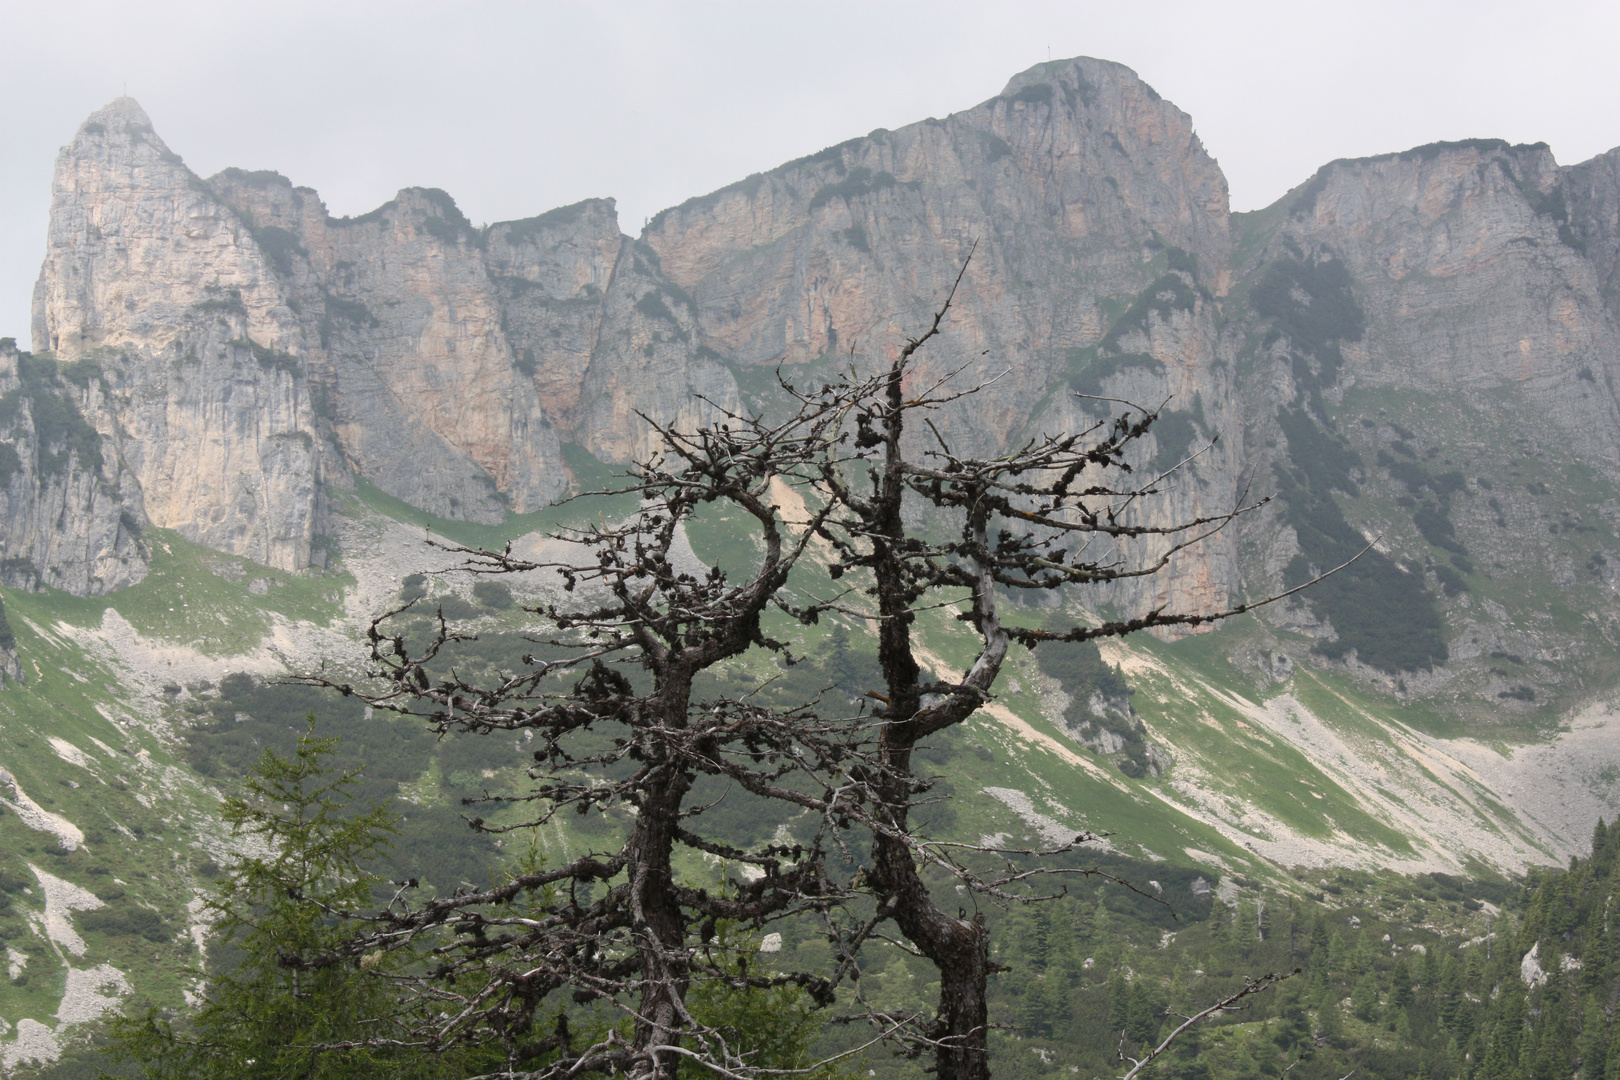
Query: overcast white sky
(518, 108)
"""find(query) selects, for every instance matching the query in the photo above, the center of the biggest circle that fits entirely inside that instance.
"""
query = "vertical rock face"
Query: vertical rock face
(1414, 331)
(406, 348)
(648, 362)
(1374, 348)
(552, 274)
(1099, 233)
(154, 281)
(440, 355)
(1472, 279)
(71, 511)
(448, 364)
(1592, 193)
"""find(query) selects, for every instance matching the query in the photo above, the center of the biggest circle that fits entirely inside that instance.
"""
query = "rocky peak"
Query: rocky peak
(1099, 227)
(136, 241)
(158, 284)
(1146, 146)
(1068, 186)
(121, 127)
(427, 398)
(1471, 276)
(120, 113)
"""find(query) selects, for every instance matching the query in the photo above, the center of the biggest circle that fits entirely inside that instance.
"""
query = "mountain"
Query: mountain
(240, 413)
(450, 366)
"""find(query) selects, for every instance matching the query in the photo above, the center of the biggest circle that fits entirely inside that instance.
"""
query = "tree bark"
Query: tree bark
(958, 946)
(656, 913)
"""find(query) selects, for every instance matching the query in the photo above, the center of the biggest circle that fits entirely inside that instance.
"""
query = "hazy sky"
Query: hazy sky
(518, 108)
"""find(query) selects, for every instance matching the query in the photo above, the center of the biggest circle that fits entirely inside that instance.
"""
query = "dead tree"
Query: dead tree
(1050, 515)
(619, 720)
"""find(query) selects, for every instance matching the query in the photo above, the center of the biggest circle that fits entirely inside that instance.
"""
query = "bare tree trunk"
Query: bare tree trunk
(958, 946)
(657, 919)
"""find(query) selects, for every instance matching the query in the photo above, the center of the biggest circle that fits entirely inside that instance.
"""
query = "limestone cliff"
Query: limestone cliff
(406, 354)
(1072, 183)
(448, 364)
(1418, 347)
(200, 391)
(71, 509)
(1426, 345)
(1472, 280)
(606, 337)
(1591, 192)
(1098, 226)
(552, 274)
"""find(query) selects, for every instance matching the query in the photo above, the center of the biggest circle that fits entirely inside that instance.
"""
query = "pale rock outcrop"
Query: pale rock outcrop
(1473, 280)
(199, 390)
(1530, 969)
(1081, 189)
(552, 274)
(72, 512)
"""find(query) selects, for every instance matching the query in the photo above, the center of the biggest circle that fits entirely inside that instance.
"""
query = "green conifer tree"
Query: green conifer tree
(1032, 1010)
(1339, 954)
(1505, 1038)
(1329, 1017)
(1431, 970)
(1319, 932)
(1611, 1065)
(1593, 1046)
(1450, 993)
(1555, 1041)
(279, 1010)
(1119, 1000)
(1362, 954)
(1143, 1015)
(1364, 998)
(1400, 984)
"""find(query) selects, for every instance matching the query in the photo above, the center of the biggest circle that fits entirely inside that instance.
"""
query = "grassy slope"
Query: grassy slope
(1192, 697)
